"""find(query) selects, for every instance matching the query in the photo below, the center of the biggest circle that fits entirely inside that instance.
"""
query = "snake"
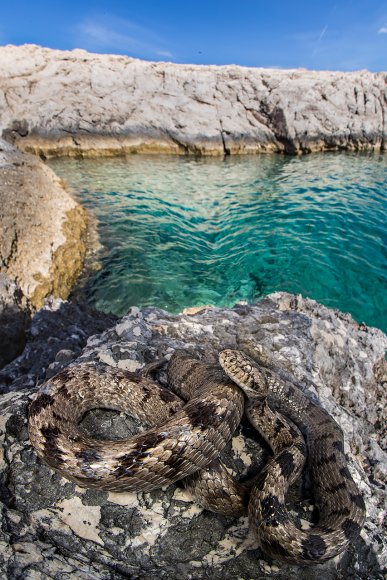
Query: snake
(339, 503)
(187, 431)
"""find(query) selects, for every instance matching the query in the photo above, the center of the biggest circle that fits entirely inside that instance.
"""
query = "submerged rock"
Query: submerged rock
(52, 528)
(112, 104)
(42, 228)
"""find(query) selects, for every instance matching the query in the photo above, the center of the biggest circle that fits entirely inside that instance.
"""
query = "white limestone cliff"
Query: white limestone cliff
(76, 103)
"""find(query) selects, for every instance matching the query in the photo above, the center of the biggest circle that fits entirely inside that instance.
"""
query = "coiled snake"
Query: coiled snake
(185, 439)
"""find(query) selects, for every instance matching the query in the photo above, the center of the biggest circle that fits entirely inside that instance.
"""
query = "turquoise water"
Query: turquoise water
(180, 232)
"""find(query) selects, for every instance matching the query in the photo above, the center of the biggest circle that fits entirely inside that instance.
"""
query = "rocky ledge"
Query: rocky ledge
(42, 227)
(113, 105)
(51, 528)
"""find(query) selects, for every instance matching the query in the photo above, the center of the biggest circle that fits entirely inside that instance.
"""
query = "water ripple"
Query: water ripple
(180, 231)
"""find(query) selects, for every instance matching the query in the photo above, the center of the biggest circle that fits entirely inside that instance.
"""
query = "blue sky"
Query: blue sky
(341, 35)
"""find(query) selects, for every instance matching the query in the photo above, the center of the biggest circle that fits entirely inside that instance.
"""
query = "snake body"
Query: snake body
(186, 438)
(338, 500)
(187, 432)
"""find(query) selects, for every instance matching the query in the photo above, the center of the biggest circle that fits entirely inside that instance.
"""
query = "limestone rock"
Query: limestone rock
(42, 228)
(51, 528)
(111, 104)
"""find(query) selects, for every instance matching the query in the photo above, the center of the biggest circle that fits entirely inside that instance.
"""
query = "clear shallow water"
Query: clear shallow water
(180, 232)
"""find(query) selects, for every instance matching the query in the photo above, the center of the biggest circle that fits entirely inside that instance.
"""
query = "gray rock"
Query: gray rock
(113, 104)
(56, 336)
(51, 528)
(14, 320)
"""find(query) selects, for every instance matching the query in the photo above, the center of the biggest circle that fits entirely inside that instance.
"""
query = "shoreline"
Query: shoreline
(42, 243)
(115, 105)
(54, 528)
(91, 147)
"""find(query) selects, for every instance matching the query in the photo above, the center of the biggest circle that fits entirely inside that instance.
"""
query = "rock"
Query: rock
(112, 104)
(42, 228)
(51, 528)
(14, 320)
(57, 334)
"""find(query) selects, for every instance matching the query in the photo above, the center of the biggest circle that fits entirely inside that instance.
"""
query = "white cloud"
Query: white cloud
(116, 34)
(382, 30)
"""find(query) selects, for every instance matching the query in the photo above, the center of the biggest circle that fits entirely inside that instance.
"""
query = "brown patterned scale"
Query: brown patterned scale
(188, 431)
(338, 500)
(183, 438)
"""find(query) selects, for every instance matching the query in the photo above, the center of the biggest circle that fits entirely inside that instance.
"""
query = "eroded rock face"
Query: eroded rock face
(42, 227)
(52, 528)
(115, 104)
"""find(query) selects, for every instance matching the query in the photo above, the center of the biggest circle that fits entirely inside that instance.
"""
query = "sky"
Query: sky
(334, 35)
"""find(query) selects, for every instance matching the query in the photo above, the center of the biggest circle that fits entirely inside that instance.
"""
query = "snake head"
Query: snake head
(241, 370)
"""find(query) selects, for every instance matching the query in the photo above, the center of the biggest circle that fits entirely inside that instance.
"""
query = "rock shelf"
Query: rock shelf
(82, 104)
(52, 528)
(42, 234)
